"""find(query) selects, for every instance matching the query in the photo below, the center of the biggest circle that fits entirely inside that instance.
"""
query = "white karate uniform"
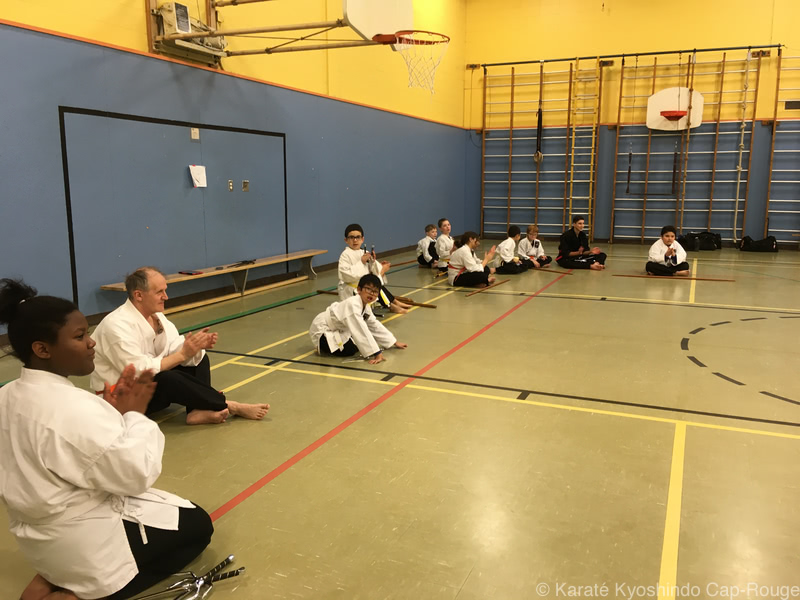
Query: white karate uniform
(424, 248)
(444, 247)
(351, 270)
(350, 319)
(658, 253)
(505, 251)
(463, 259)
(527, 249)
(125, 337)
(71, 469)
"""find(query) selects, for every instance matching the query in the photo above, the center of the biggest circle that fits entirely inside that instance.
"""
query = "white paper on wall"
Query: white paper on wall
(198, 173)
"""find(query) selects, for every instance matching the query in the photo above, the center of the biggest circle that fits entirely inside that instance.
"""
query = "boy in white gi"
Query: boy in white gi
(531, 250)
(444, 244)
(465, 269)
(509, 263)
(349, 326)
(426, 248)
(355, 262)
(76, 469)
(667, 257)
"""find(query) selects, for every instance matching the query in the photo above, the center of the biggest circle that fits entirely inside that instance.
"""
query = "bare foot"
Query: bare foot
(396, 308)
(492, 279)
(596, 267)
(682, 273)
(207, 417)
(41, 589)
(256, 412)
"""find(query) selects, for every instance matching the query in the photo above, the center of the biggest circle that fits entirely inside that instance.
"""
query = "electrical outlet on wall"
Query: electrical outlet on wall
(245, 185)
(230, 185)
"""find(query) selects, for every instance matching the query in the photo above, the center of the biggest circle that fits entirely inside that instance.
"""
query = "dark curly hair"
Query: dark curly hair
(30, 318)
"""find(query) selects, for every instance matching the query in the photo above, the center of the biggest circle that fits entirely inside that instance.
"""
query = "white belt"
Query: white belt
(132, 513)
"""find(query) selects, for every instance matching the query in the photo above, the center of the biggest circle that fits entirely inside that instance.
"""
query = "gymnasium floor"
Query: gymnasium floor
(559, 430)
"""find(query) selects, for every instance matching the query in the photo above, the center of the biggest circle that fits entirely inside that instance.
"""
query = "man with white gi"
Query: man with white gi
(138, 333)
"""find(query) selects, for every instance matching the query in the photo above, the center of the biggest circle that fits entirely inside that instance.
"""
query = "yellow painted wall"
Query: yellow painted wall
(375, 75)
(512, 30)
(481, 30)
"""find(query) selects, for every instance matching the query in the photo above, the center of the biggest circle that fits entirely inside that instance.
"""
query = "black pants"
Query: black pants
(584, 262)
(349, 348)
(542, 262)
(166, 552)
(665, 270)
(424, 263)
(472, 278)
(189, 386)
(511, 268)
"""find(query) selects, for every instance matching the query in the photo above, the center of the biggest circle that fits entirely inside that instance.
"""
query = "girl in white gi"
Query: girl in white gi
(355, 262)
(349, 326)
(426, 248)
(444, 244)
(531, 250)
(667, 257)
(465, 269)
(509, 263)
(76, 468)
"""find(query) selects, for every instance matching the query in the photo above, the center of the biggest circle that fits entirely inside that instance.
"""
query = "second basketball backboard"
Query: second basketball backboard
(369, 18)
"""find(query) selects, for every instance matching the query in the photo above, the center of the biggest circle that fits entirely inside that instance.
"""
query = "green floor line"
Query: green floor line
(252, 311)
(266, 307)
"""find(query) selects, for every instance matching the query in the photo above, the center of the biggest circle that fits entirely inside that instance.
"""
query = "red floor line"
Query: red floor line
(252, 489)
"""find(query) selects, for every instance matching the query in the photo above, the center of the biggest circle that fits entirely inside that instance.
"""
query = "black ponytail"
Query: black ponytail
(30, 318)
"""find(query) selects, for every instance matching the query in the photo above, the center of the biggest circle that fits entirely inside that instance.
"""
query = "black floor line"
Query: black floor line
(784, 398)
(699, 329)
(726, 378)
(754, 319)
(544, 296)
(685, 344)
(655, 407)
(720, 323)
(695, 361)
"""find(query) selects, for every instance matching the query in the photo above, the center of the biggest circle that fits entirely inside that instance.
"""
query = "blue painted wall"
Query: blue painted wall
(344, 162)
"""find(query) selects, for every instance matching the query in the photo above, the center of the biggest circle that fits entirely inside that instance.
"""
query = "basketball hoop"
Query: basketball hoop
(422, 51)
(673, 115)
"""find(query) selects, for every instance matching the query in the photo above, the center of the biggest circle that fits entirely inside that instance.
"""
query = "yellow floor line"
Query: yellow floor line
(302, 333)
(667, 581)
(270, 369)
(267, 372)
(693, 282)
(257, 350)
(596, 411)
(169, 415)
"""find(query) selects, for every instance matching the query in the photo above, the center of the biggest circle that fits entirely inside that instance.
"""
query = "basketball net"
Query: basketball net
(422, 51)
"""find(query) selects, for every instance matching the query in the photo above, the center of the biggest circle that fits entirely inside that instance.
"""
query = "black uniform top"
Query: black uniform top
(570, 242)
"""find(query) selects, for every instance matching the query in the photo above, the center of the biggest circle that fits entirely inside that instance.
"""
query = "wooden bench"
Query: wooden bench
(239, 274)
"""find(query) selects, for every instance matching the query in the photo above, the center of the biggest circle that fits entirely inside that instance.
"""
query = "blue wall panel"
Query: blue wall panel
(344, 162)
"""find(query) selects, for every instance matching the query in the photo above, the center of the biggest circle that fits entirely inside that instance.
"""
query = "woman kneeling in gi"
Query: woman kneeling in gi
(76, 467)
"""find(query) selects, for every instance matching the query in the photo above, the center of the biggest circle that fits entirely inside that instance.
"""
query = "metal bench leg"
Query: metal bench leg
(307, 269)
(240, 280)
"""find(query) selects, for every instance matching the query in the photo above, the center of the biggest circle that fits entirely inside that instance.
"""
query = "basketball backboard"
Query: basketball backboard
(369, 18)
(675, 99)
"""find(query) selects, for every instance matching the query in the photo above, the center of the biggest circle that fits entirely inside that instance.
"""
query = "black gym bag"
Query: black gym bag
(768, 244)
(700, 240)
